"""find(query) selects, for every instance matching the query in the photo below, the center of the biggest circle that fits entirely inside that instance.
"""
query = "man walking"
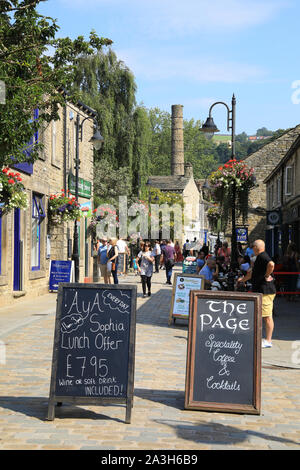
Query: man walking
(168, 252)
(263, 282)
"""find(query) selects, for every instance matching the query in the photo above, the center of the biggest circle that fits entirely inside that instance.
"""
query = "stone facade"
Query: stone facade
(264, 161)
(283, 202)
(49, 175)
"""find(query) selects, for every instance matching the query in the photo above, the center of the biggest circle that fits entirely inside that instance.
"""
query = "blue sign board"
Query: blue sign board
(60, 271)
(242, 235)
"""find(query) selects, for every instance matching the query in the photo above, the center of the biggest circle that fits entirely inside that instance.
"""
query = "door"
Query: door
(17, 251)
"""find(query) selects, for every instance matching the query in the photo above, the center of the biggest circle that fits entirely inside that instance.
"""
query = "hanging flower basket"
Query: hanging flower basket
(231, 185)
(63, 208)
(12, 191)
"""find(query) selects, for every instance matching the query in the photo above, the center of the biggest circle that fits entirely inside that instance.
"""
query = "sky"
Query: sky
(197, 52)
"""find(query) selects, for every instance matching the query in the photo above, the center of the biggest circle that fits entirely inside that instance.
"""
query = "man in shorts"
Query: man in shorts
(102, 261)
(263, 282)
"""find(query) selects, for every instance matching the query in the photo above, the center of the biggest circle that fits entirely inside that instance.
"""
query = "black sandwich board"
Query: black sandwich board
(223, 370)
(94, 346)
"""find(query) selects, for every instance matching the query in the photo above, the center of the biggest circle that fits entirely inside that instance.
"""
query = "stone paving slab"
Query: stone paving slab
(159, 420)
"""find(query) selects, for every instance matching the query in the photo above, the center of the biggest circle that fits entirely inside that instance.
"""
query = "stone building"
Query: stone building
(27, 241)
(264, 161)
(283, 202)
(181, 180)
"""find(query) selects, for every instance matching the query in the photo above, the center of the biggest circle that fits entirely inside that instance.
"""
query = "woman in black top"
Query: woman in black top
(112, 254)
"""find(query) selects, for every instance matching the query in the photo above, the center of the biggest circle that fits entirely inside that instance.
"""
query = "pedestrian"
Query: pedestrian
(157, 253)
(112, 255)
(102, 262)
(169, 260)
(200, 261)
(145, 260)
(123, 251)
(209, 273)
(262, 280)
(178, 256)
(226, 252)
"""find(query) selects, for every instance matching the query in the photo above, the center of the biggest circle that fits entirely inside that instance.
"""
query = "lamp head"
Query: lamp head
(209, 128)
(97, 139)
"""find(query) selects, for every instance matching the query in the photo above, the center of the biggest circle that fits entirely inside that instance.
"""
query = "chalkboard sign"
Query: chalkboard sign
(223, 370)
(182, 285)
(94, 345)
(122, 263)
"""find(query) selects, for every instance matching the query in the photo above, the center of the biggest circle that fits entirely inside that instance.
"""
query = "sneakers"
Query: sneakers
(266, 344)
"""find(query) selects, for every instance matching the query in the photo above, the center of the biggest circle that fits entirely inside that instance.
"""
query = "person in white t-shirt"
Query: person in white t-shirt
(123, 250)
(157, 253)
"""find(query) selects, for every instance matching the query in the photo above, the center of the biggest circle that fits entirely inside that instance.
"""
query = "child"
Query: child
(135, 267)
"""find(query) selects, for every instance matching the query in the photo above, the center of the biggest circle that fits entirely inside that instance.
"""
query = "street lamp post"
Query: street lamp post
(209, 128)
(97, 141)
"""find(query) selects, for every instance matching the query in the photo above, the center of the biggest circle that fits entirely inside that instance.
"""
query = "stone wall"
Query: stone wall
(49, 176)
(264, 161)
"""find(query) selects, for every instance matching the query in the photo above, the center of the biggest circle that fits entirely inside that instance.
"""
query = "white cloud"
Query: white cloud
(159, 66)
(165, 18)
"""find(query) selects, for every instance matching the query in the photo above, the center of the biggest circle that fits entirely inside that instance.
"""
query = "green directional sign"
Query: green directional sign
(84, 187)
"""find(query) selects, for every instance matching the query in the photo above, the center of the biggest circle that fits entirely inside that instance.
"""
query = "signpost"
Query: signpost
(224, 352)
(183, 284)
(94, 346)
(60, 271)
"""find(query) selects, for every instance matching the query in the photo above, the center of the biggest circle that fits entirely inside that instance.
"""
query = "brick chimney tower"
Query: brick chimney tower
(177, 160)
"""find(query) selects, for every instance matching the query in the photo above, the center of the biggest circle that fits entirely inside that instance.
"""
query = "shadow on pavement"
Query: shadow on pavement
(37, 407)
(216, 433)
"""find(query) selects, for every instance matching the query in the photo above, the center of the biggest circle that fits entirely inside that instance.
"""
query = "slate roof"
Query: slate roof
(168, 183)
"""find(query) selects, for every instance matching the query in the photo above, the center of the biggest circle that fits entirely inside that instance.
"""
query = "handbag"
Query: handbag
(109, 266)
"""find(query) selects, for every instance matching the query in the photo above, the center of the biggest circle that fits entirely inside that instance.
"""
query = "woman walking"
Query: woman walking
(144, 261)
(112, 255)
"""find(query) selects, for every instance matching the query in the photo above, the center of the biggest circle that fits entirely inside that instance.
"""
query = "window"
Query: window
(278, 189)
(289, 180)
(38, 215)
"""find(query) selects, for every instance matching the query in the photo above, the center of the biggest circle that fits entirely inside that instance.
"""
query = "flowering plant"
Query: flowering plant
(233, 172)
(63, 207)
(12, 191)
(230, 185)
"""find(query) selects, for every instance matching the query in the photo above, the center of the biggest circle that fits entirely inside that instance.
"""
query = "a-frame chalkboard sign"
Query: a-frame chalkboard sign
(94, 346)
(223, 370)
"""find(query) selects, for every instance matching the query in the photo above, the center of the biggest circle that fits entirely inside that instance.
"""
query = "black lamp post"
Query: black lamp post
(209, 128)
(97, 141)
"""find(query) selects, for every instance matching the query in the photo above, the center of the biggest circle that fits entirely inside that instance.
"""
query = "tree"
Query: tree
(107, 85)
(141, 155)
(35, 66)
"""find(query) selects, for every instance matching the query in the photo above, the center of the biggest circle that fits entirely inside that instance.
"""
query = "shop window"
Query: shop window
(38, 215)
(289, 180)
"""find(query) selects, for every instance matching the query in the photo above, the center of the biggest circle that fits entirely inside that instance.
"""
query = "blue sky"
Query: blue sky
(196, 52)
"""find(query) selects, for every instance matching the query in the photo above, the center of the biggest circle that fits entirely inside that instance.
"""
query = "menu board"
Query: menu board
(94, 342)
(224, 352)
(183, 284)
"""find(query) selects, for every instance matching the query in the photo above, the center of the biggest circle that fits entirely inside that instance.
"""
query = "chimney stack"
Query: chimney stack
(177, 162)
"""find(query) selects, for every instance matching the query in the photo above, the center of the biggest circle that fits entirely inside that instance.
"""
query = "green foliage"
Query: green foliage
(108, 86)
(110, 183)
(35, 66)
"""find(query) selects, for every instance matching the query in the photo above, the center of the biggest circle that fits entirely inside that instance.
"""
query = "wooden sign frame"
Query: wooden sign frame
(190, 402)
(173, 316)
(128, 401)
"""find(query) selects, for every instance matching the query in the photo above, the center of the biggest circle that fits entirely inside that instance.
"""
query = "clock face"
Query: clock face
(273, 218)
